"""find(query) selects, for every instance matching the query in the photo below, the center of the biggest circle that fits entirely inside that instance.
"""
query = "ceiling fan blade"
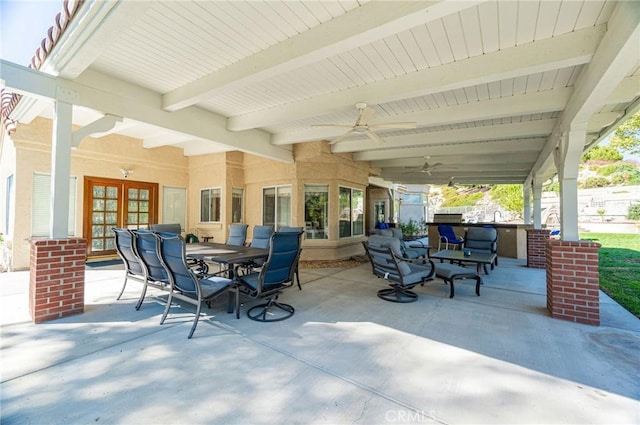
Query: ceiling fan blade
(373, 136)
(340, 138)
(394, 125)
(365, 114)
(332, 125)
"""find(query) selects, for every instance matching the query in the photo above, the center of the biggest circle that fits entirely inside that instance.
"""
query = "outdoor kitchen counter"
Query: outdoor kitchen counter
(512, 237)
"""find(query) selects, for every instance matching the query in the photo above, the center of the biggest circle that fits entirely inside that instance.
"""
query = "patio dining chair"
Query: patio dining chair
(125, 248)
(237, 234)
(185, 284)
(147, 247)
(401, 274)
(167, 228)
(261, 238)
(275, 275)
(294, 229)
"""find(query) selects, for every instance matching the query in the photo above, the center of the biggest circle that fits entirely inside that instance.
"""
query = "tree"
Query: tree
(633, 213)
(627, 136)
(601, 212)
(602, 153)
(509, 196)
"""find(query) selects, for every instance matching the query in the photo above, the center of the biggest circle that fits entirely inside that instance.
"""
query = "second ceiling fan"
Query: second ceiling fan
(362, 126)
(427, 167)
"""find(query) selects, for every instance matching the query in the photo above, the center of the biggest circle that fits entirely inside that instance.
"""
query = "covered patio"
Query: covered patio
(344, 357)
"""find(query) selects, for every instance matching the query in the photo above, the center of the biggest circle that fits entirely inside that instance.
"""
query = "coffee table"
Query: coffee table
(481, 259)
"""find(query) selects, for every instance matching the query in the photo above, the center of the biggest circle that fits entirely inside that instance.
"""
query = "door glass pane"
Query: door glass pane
(110, 244)
(97, 231)
(97, 245)
(143, 218)
(132, 205)
(132, 218)
(112, 192)
(111, 205)
(111, 219)
(98, 218)
(143, 194)
(98, 205)
(98, 191)
(144, 206)
(133, 193)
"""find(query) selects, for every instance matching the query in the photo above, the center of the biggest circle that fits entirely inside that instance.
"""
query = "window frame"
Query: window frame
(310, 232)
(181, 200)
(41, 205)
(352, 222)
(276, 217)
(220, 205)
(233, 192)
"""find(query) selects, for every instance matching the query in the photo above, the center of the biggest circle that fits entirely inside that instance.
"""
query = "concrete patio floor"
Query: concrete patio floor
(345, 357)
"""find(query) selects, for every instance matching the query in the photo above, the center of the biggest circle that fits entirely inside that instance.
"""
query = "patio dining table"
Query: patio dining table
(479, 258)
(230, 255)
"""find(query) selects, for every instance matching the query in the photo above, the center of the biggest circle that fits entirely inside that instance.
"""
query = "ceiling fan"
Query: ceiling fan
(428, 168)
(362, 126)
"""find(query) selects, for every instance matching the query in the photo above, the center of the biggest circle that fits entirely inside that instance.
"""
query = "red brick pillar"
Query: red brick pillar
(56, 283)
(537, 248)
(573, 281)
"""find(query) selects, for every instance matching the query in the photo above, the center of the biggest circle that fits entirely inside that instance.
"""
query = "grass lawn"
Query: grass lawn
(619, 267)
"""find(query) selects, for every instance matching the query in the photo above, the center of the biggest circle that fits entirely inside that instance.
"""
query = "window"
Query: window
(351, 204)
(316, 201)
(237, 199)
(41, 205)
(276, 206)
(174, 203)
(210, 202)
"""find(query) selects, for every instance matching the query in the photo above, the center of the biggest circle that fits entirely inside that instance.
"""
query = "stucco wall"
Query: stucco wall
(106, 156)
(102, 157)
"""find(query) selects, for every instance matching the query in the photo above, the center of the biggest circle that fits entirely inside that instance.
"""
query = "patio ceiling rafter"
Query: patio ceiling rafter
(362, 25)
(571, 49)
(119, 98)
(522, 104)
(458, 136)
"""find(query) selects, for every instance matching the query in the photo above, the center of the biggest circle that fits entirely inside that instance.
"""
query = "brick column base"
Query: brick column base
(573, 281)
(537, 248)
(56, 281)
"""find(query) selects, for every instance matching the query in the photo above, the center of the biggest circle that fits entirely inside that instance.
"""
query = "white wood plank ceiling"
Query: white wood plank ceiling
(486, 82)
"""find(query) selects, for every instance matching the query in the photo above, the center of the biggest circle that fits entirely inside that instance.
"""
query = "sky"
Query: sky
(23, 25)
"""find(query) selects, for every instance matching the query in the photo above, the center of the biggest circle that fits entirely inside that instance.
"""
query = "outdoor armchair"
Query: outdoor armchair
(402, 276)
(275, 275)
(482, 239)
(411, 253)
(185, 284)
(447, 236)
